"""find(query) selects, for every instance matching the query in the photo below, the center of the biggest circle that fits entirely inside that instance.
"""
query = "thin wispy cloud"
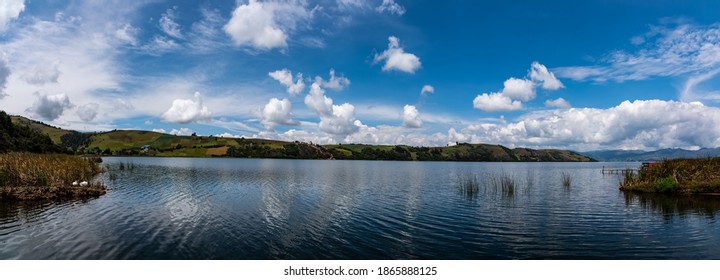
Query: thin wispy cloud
(348, 71)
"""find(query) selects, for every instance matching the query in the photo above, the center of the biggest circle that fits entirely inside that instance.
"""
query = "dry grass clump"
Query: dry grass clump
(701, 175)
(566, 179)
(27, 176)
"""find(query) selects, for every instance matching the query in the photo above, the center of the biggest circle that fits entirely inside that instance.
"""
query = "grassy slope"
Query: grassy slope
(171, 145)
(123, 139)
(54, 132)
(204, 146)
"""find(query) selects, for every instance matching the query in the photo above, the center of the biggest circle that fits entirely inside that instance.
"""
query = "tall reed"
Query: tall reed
(507, 184)
(566, 179)
(699, 175)
(469, 186)
(27, 176)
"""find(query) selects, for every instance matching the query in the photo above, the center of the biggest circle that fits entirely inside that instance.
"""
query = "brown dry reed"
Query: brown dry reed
(28, 176)
(685, 176)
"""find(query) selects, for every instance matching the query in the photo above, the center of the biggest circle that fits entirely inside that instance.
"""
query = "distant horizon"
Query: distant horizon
(571, 75)
(339, 143)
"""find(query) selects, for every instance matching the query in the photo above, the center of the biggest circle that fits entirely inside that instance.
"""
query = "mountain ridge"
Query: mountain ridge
(657, 155)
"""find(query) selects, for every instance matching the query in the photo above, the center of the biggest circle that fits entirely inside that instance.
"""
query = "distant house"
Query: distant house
(145, 148)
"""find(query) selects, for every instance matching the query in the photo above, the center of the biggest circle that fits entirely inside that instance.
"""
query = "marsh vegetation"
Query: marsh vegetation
(28, 176)
(684, 176)
(566, 179)
(471, 185)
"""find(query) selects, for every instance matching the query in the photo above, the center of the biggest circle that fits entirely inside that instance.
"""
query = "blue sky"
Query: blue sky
(581, 75)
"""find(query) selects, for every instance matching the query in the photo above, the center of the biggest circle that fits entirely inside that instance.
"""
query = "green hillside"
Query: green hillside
(21, 138)
(148, 143)
(459, 152)
(54, 132)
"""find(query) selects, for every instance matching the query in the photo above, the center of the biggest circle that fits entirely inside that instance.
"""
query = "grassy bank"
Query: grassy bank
(684, 176)
(28, 176)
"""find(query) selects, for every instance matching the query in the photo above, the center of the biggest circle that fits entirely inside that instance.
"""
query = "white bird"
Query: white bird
(83, 184)
(75, 183)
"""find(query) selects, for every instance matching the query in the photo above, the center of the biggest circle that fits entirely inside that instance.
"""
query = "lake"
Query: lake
(219, 208)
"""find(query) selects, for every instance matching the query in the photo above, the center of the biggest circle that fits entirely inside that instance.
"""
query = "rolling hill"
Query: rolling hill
(21, 138)
(148, 143)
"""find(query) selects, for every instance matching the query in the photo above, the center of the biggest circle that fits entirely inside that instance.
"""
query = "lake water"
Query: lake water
(192, 208)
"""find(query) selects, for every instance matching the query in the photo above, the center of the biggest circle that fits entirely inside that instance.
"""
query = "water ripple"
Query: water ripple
(285, 209)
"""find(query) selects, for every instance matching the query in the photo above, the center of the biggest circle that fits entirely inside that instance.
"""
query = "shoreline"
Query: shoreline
(676, 176)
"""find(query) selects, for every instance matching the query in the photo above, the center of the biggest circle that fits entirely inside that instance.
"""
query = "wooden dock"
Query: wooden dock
(610, 170)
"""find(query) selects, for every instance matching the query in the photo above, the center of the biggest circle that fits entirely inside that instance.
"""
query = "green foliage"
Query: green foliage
(15, 137)
(700, 175)
(667, 184)
(75, 140)
(296, 150)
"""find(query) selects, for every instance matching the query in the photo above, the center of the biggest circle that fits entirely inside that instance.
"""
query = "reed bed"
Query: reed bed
(28, 176)
(469, 186)
(701, 175)
(506, 183)
(489, 183)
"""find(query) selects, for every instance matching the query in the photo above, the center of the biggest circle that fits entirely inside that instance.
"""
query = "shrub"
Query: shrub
(667, 184)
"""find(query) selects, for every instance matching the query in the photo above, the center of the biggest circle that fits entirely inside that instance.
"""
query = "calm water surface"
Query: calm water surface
(183, 208)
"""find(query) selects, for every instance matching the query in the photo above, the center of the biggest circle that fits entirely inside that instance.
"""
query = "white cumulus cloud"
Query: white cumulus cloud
(341, 121)
(187, 111)
(411, 117)
(9, 10)
(519, 89)
(317, 101)
(277, 112)
(265, 25)
(496, 102)
(285, 77)
(50, 107)
(641, 124)
(336, 83)
(254, 24)
(397, 59)
(540, 73)
(334, 119)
